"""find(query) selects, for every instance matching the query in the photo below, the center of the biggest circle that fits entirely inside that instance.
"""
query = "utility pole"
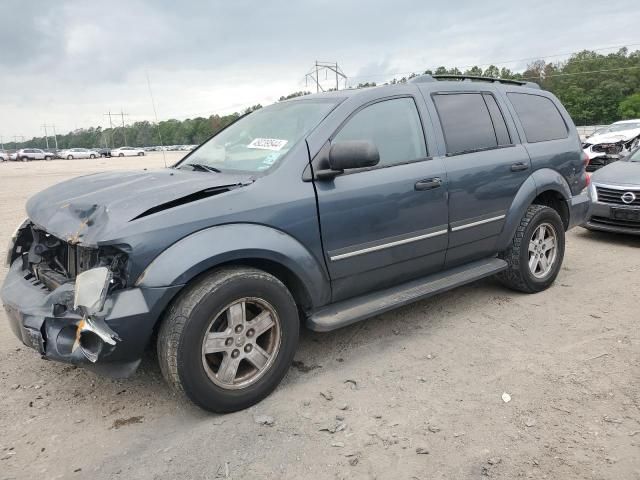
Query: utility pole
(46, 137)
(110, 126)
(314, 74)
(124, 131)
(1, 143)
(55, 137)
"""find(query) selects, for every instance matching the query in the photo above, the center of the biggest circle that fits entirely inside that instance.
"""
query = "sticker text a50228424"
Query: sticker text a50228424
(267, 143)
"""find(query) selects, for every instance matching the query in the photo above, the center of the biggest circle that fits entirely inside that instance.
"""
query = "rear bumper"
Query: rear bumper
(45, 321)
(578, 209)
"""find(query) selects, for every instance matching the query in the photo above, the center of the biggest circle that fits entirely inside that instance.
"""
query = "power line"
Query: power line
(582, 73)
(504, 62)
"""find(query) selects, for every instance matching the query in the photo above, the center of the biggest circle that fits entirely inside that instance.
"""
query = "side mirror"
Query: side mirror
(353, 154)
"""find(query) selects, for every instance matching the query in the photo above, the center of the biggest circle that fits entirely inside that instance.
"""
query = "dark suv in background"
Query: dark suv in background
(325, 210)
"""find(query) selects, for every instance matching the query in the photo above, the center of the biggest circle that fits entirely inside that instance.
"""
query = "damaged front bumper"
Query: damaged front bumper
(46, 321)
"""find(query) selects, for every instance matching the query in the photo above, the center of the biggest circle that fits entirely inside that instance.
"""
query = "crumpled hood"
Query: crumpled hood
(613, 137)
(618, 173)
(80, 209)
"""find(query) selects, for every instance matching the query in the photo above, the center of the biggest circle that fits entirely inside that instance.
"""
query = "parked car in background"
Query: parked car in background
(103, 152)
(73, 153)
(609, 144)
(4, 156)
(615, 197)
(127, 152)
(321, 211)
(26, 154)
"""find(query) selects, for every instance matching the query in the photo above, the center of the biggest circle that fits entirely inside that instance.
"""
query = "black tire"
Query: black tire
(121, 154)
(141, 154)
(48, 158)
(518, 275)
(187, 321)
(69, 157)
(92, 156)
(25, 159)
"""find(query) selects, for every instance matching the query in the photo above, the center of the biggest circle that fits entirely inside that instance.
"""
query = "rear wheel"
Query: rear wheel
(228, 340)
(141, 154)
(536, 252)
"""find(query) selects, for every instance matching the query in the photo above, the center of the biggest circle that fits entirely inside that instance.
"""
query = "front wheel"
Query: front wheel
(141, 154)
(48, 158)
(121, 154)
(25, 159)
(69, 157)
(92, 156)
(535, 254)
(229, 338)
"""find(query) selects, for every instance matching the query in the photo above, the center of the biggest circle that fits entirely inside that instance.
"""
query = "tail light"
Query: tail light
(587, 180)
(585, 159)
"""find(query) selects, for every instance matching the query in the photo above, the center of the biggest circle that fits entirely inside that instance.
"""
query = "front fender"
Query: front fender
(540, 181)
(205, 249)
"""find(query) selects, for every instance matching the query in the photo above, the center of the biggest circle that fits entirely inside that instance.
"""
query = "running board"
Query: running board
(353, 310)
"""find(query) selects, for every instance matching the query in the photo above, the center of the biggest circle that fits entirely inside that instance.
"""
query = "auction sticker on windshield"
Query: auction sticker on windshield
(267, 143)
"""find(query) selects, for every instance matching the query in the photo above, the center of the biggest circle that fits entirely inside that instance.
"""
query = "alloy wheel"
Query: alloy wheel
(241, 343)
(543, 250)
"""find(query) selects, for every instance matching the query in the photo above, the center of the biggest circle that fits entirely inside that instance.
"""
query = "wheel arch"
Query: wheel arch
(543, 187)
(252, 245)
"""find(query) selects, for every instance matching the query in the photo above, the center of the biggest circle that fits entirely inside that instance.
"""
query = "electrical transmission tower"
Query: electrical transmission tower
(121, 115)
(314, 75)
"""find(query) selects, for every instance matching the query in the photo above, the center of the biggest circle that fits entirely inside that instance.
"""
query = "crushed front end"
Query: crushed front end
(73, 303)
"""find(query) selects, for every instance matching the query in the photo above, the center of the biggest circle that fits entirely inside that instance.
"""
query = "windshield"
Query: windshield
(623, 126)
(256, 142)
(635, 156)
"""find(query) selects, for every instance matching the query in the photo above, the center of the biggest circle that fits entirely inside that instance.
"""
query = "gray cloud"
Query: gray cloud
(69, 61)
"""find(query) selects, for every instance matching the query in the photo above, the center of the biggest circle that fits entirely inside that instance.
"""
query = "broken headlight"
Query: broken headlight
(91, 290)
(12, 241)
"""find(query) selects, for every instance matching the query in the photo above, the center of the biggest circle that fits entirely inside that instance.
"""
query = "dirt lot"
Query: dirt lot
(416, 393)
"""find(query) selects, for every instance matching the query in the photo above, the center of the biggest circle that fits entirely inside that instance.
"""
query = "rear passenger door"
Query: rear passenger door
(485, 164)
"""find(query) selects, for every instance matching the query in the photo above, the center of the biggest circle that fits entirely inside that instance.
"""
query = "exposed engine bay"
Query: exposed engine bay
(54, 262)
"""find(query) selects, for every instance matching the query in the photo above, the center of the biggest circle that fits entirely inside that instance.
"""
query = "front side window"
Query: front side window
(466, 122)
(259, 140)
(394, 128)
(540, 118)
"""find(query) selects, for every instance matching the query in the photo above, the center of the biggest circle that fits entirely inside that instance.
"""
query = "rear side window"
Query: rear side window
(467, 124)
(539, 116)
(393, 126)
(502, 133)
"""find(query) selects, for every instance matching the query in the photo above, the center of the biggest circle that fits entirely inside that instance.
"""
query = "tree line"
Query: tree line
(595, 88)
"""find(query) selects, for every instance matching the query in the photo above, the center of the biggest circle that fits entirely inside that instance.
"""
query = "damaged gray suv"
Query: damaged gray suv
(322, 210)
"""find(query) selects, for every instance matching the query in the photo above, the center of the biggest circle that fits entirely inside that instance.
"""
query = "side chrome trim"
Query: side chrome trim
(387, 245)
(479, 222)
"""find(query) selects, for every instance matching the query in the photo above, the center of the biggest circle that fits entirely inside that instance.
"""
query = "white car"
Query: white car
(4, 156)
(72, 153)
(26, 154)
(127, 152)
(608, 144)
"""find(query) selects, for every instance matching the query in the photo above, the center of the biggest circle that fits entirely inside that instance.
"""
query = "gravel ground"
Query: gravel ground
(415, 393)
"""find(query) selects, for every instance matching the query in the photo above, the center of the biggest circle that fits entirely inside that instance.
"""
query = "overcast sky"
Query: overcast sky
(67, 62)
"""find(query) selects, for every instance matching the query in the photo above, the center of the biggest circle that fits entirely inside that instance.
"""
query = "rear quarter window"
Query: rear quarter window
(539, 116)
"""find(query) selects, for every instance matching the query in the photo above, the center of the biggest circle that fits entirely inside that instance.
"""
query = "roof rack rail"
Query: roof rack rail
(487, 79)
(432, 78)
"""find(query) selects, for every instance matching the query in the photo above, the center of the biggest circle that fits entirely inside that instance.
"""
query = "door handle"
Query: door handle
(518, 167)
(428, 183)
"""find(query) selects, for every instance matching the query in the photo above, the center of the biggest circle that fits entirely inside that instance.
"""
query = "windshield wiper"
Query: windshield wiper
(203, 168)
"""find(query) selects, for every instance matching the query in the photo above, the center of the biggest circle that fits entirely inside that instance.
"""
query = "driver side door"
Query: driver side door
(386, 224)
